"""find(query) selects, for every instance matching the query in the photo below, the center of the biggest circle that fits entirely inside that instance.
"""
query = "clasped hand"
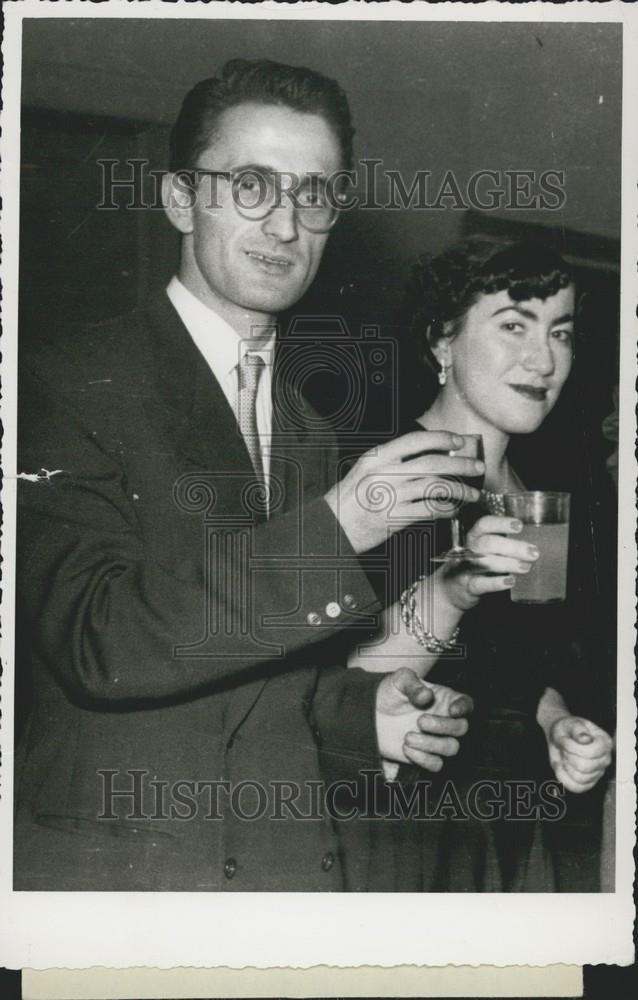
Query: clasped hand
(417, 722)
(579, 752)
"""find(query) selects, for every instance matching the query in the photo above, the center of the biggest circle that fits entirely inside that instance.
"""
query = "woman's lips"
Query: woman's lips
(538, 394)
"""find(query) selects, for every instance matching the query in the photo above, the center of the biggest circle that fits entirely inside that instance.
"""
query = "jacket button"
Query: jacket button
(333, 610)
(327, 861)
(313, 618)
(230, 868)
(349, 602)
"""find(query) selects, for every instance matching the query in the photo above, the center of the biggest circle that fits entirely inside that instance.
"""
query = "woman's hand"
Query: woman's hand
(579, 752)
(445, 595)
(499, 559)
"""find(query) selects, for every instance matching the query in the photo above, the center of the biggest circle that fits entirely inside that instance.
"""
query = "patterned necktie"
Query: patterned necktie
(249, 371)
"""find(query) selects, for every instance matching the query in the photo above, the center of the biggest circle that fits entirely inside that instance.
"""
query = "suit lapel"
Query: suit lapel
(190, 406)
(197, 422)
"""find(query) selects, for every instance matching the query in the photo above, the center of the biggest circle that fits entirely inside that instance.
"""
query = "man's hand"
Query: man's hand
(409, 479)
(419, 723)
(579, 752)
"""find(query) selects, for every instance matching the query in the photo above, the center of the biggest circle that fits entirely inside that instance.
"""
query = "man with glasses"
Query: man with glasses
(257, 191)
(186, 558)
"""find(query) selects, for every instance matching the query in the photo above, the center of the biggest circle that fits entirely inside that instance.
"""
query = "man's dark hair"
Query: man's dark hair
(263, 82)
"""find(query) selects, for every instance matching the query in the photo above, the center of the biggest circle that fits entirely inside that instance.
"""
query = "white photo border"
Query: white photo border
(79, 930)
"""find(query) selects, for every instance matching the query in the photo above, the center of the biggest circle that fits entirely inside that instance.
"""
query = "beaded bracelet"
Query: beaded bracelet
(417, 629)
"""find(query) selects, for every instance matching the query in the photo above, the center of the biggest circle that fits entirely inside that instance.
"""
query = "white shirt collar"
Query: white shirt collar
(221, 345)
(222, 348)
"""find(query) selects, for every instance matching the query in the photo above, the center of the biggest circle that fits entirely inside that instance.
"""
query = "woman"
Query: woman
(496, 323)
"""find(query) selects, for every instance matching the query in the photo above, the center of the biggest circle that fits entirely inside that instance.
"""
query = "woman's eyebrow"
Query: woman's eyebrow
(527, 313)
(530, 314)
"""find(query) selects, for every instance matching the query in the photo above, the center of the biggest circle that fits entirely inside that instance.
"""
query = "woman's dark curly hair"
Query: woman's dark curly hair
(445, 287)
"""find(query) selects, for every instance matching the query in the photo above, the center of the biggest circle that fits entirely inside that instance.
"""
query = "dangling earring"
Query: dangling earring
(442, 376)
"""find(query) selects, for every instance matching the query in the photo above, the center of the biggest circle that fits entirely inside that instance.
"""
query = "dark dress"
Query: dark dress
(488, 820)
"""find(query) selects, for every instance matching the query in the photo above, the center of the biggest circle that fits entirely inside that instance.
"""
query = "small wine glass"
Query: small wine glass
(472, 448)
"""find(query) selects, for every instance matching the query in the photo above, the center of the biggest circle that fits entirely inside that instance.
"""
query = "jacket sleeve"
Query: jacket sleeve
(107, 617)
(344, 716)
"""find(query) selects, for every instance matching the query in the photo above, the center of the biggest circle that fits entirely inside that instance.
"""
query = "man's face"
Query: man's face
(238, 265)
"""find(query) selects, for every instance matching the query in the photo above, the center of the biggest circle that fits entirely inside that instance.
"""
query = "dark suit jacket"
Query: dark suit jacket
(165, 649)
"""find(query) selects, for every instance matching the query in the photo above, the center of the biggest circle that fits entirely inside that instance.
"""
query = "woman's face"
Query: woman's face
(509, 361)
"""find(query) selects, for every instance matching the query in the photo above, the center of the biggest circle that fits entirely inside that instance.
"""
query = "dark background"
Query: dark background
(430, 96)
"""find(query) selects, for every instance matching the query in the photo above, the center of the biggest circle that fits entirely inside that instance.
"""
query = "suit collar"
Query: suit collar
(190, 409)
(193, 408)
(218, 342)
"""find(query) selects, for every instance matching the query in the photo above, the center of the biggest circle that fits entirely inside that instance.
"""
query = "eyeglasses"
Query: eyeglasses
(257, 193)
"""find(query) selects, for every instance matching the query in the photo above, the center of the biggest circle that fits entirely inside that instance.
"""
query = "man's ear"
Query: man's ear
(178, 199)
